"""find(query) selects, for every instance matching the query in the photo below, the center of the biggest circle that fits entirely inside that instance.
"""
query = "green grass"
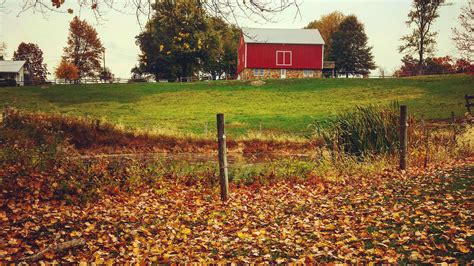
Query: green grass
(282, 106)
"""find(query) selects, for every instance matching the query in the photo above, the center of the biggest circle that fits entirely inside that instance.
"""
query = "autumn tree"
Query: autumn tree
(84, 48)
(422, 39)
(33, 55)
(67, 71)
(350, 48)
(464, 66)
(174, 41)
(327, 25)
(463, 37)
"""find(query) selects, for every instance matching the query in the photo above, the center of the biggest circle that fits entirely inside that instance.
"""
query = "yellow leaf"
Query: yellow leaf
(463, 249)
(280, 260)
(90, 227)
(186, 231)
(243, 235)
(75, 233)
(261, 216)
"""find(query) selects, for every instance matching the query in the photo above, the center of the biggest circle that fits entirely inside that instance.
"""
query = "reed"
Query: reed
(362, 131)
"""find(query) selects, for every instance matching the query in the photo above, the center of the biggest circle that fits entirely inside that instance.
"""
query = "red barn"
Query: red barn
(280, 53)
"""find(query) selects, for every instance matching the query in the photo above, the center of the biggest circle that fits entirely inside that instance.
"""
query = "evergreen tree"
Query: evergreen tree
(350, 49)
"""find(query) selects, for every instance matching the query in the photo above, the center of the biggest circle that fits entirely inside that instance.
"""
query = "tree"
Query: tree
(410, 67)
(464, 38)
(33, 55)
(106, 75)
(84, 48)
(67, 71)
(327, 25)
(174, 41)
(221, 55)
(350, 49)
(439, 65)
(422, 40)
(433, 66)
(3, 48)
(464, 66)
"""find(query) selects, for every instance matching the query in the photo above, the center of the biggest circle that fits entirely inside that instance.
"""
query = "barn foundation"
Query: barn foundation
(249, 74)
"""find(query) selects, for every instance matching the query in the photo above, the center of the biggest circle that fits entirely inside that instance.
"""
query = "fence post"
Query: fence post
(4, 116)
(467, 103)
(453, 124)
(205, 129)
(403, 137)
(223, 172)
(97, 124)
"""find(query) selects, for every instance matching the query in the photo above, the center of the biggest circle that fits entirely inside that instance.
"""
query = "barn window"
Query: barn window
(258, 72)
(284, 58)
(308, 73)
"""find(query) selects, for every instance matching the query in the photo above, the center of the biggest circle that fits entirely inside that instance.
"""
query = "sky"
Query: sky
(384, 25)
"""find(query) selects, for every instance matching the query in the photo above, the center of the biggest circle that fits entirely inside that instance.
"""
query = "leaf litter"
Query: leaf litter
(423, 215)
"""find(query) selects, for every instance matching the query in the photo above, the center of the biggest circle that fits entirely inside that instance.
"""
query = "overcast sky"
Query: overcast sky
(383, 20)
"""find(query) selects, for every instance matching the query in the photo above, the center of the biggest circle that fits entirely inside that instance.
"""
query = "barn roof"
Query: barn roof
(288, 36)
(10, 66)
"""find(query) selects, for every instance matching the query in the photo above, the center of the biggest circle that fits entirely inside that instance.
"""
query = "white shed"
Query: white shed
(13, 70)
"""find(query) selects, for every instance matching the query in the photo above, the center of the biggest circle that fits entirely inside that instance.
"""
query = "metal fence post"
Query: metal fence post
(403, 137)
(223, 172)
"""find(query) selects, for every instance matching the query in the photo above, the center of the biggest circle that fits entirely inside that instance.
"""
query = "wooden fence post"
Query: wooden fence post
(97, 124)
(403, 137)
(223, 172)
(453, 124)
(467, 103)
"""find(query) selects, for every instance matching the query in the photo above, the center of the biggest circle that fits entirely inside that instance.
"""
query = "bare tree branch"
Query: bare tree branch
(464, 37)
(229, 10)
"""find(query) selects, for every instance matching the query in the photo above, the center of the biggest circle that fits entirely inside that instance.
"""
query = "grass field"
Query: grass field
(282, 106)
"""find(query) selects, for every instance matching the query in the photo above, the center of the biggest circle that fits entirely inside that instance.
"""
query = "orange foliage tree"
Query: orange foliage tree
(84, 48)
(67, 71)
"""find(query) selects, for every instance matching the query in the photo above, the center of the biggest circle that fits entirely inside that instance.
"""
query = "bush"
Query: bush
(362, 131)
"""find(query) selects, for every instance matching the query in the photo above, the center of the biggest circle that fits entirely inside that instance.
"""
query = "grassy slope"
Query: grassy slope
(288, 105)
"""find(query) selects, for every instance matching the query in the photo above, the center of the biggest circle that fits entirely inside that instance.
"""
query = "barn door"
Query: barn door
(283, 73)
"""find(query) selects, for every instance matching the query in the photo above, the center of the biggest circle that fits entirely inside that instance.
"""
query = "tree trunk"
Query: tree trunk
(420, 63)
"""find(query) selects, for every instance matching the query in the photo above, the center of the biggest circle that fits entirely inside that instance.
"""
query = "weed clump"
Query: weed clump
(362, 131)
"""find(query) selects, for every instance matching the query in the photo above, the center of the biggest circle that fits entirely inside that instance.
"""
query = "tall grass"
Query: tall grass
(362, 131)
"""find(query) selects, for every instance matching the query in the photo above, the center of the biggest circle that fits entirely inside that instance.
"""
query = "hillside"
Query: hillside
(283, 106)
